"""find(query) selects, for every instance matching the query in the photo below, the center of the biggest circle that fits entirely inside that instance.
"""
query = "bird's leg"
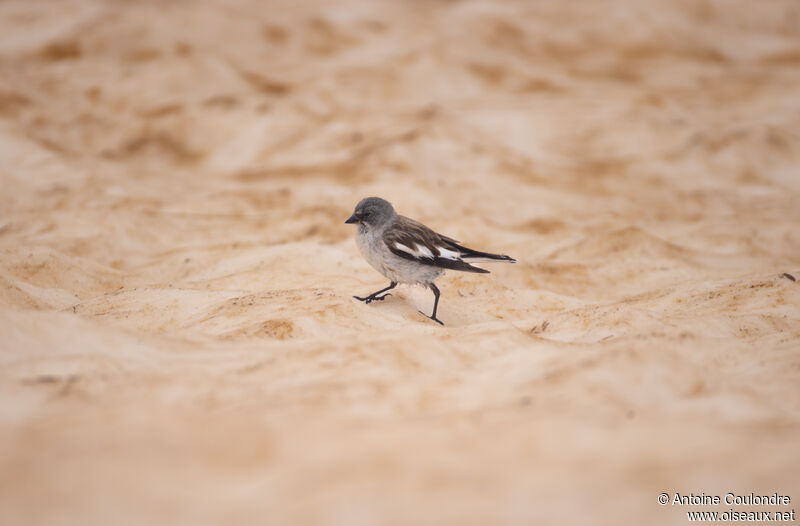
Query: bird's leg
(374, 296)
(435, 305)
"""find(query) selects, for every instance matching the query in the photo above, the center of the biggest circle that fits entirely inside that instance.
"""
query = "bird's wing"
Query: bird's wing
(414, 241)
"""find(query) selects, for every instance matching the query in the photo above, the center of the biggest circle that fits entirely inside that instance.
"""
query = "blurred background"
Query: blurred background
(180, 345)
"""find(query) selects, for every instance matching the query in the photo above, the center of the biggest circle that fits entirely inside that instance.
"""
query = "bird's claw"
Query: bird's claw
(370, 299)
(437, 320)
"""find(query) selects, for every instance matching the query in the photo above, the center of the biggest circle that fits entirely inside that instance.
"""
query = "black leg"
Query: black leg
(374, 296)
(435, 304)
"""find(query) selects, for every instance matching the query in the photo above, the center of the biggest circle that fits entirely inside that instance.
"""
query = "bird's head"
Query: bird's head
(372, 212)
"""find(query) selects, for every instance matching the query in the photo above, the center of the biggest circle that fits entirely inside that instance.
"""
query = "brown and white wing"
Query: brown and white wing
(414, 241)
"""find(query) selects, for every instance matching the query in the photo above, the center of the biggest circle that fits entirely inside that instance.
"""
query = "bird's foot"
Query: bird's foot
(369, 299)
(437, 320)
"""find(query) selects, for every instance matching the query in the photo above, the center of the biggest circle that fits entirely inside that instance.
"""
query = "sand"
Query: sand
(178, 340)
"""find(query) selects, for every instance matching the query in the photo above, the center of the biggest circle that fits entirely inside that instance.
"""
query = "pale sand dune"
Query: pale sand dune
(178, 341)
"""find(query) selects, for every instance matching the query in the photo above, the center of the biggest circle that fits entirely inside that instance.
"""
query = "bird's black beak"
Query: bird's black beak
(352, 219)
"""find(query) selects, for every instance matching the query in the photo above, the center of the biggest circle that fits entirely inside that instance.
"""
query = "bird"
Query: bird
(406, 251)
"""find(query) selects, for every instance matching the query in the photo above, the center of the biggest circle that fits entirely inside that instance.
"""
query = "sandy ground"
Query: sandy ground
(178, 341)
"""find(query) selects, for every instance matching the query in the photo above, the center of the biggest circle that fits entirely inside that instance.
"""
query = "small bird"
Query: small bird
(406, 251)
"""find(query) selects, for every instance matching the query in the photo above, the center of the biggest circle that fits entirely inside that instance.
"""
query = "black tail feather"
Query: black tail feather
(467, 253)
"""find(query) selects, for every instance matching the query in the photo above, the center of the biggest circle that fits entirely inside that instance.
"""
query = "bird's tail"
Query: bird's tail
(475, 256)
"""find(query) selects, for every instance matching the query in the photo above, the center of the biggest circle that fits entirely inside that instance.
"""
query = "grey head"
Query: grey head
(372, 212)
